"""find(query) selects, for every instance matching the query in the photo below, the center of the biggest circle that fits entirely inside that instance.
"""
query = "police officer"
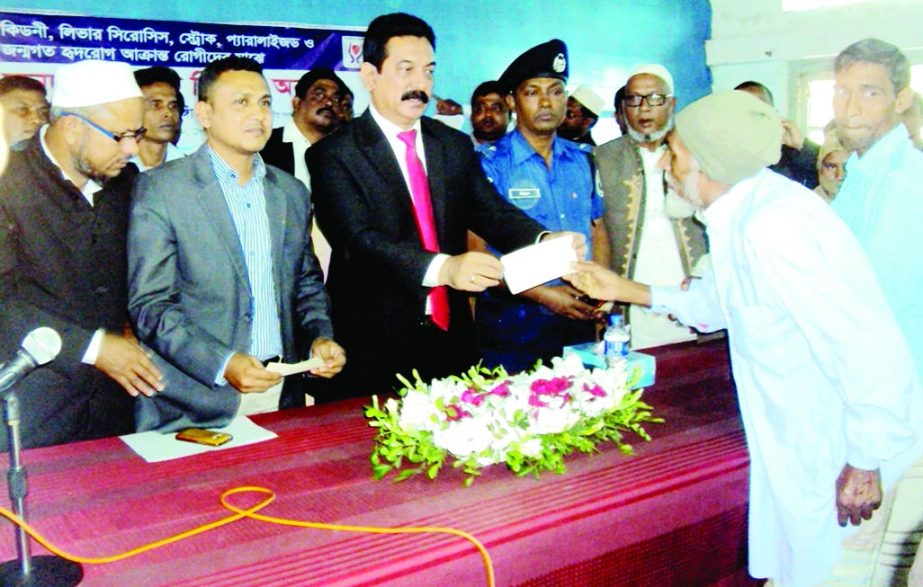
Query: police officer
(550, 179)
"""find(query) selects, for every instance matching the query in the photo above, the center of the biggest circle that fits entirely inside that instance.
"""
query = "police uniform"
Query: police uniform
(512, 330)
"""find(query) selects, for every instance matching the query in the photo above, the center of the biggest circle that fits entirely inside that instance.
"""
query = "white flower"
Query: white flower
(531, 447)
(463, 438)
(418, 412)
(570, 366)
(553, 421)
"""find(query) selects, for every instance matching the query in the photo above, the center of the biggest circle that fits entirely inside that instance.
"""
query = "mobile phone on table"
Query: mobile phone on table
(202, 436)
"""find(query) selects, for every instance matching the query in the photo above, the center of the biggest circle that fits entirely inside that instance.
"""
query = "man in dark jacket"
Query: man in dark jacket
(63, 222)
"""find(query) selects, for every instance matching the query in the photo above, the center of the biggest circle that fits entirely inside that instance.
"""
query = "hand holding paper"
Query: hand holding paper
(537, 264)
(473, 271)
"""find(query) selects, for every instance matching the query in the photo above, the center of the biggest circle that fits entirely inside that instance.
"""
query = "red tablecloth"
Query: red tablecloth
(674, 514)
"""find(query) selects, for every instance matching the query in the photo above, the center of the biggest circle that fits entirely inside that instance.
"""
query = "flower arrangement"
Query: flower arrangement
(531, 420)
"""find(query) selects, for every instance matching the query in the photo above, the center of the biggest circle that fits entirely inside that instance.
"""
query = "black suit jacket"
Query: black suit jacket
(63, 265)
(365, 210)
(277, 153)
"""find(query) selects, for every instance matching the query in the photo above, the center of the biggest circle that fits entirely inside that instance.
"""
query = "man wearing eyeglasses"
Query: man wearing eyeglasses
(652, 231)
(63, 225)
(315, 114)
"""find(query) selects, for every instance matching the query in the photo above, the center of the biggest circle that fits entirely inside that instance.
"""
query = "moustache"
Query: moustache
(329, 110)
(415, 95)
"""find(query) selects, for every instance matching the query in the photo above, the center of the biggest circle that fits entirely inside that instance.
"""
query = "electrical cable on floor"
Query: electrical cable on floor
(252, 513)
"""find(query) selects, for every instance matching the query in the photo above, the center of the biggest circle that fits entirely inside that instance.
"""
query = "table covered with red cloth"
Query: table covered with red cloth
(673, 514)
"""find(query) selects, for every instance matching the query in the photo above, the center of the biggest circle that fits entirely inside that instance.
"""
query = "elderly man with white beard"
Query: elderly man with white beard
(828, 393)
(653, 235)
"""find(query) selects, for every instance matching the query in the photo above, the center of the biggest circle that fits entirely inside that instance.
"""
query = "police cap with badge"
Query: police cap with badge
(545, 60)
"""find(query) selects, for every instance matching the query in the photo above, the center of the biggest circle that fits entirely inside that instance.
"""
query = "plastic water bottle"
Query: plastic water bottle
(615, 340)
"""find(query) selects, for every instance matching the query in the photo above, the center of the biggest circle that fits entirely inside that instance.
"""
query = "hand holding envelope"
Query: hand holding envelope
(550, 259)
(476, 271)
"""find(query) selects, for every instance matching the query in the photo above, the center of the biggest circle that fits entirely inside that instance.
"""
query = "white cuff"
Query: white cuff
(92, 352)
(219, 378)
(431, 278)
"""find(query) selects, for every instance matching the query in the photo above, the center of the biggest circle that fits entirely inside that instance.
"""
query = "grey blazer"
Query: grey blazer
(189, 294)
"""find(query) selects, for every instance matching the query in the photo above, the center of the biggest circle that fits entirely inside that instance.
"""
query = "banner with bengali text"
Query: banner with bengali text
(35, 44)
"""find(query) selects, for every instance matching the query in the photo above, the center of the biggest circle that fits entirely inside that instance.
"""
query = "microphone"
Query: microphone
(40, 346)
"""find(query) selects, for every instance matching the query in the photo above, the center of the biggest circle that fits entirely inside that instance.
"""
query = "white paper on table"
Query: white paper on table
(154, 447)
(285, 369)
(538, 264)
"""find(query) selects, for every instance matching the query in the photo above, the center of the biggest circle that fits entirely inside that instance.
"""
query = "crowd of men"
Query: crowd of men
(174, 280)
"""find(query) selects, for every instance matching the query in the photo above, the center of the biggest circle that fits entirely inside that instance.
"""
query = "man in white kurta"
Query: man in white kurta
(827, 388)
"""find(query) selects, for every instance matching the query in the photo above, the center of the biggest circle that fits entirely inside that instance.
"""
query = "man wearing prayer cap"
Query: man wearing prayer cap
(653, 234)
(63, 224)
(830, 400)
(583, 109)
(552, 181)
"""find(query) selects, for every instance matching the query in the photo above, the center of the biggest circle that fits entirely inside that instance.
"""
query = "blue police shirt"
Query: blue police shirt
(561, 198)
(513, 331)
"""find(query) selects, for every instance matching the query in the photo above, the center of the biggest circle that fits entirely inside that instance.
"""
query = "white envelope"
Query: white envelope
(538, 264)
(285, 369)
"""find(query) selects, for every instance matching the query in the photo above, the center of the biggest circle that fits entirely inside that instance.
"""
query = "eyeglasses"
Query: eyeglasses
(134, 135)
(634, 100)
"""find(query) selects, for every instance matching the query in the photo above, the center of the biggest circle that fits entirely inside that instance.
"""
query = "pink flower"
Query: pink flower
(596, 390)
(469, 396)
(503, 390)
(454, 412)
(550, 386)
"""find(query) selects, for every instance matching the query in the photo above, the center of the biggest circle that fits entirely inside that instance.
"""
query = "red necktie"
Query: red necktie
(423, 213)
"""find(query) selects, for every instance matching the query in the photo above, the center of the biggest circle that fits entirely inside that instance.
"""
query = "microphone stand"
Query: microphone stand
(26, 570)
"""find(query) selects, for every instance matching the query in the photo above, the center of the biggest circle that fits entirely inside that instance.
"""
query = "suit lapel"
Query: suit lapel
(376, 148)
(435, 175)
(213, 203)
(276, 212)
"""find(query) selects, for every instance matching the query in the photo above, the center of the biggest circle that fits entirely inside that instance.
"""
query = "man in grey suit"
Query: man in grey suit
(221, 269)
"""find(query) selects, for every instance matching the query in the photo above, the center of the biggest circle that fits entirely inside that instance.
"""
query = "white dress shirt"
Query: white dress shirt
(391, 130)
(823, 374)
(658, 261)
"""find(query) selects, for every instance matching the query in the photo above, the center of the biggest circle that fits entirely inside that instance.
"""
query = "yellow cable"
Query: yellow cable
(251, 512)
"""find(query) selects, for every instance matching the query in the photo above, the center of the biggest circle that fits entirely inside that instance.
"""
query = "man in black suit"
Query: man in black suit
(63, 221)
(315, 114)
(400, 304)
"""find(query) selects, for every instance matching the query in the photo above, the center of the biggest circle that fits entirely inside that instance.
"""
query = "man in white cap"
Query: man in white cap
(653, 235)
(829, 397)
(63, 225)
(583, 109)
